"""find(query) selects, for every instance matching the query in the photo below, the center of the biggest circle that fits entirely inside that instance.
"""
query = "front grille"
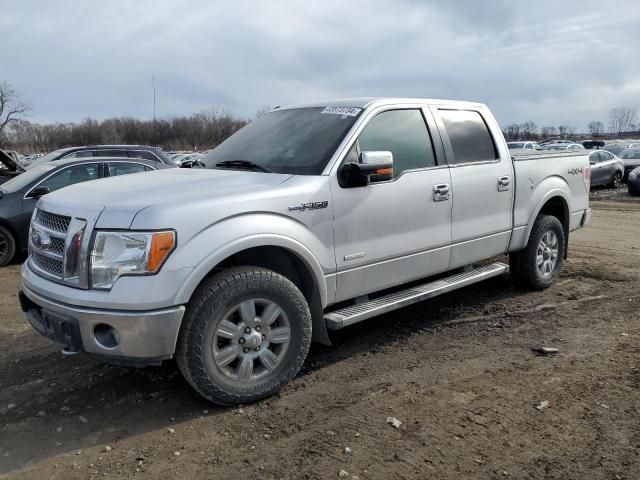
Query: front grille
(57, 246)
(49, 265)
(52, 221)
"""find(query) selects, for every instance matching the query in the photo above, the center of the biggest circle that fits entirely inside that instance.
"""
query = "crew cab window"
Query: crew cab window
(469, 136)
(71, 175)
(124, 168)
(403, 133)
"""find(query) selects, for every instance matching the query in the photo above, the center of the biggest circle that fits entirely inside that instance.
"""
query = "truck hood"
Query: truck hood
(121, 198)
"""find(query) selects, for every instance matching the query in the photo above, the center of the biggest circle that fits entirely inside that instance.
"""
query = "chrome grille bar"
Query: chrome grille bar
(55, 247)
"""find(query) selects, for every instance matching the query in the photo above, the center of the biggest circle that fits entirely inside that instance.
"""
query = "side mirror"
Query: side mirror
(39, 192)
(374, 166)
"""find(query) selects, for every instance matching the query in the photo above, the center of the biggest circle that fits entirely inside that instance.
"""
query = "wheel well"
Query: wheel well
(557, 206)
(278, 259)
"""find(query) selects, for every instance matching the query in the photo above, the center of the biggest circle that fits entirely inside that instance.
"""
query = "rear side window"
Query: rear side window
(469, 135)
(123, 168)
(403, 133)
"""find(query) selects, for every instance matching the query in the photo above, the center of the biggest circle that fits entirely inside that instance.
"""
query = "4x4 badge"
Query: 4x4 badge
(309, 206)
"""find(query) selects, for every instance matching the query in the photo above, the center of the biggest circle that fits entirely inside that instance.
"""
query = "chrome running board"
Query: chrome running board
(343, 317)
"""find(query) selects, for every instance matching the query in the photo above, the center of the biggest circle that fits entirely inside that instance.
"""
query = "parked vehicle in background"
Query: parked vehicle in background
(549, 141)
(633, 182)
(606, 169)
(631, 159)
(615, 148)
(19, 195)
(569, 146)
(523, 146)
(92, 151)
(311, 217)
(592, 144)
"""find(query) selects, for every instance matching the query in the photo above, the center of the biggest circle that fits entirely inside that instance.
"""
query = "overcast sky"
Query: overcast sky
(553, 62)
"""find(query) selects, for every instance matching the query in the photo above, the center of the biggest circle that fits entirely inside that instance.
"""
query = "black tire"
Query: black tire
(219, 298)
(616, 180)
(7, 246)
(524, 264)
(633, 191)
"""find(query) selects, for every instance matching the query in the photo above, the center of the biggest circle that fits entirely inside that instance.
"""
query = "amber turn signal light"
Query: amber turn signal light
(162, 243)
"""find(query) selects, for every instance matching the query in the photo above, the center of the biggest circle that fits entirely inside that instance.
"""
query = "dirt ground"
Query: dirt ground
(458, 372)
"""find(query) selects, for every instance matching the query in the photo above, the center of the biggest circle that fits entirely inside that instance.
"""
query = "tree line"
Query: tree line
(192, 132)
(622, 122)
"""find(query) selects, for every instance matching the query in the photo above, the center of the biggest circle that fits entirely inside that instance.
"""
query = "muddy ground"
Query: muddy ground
(458, 372)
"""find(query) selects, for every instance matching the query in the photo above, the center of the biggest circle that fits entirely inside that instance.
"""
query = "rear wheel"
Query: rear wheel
(538, 265)
(245, 334)
(616, 181)
(7, 246)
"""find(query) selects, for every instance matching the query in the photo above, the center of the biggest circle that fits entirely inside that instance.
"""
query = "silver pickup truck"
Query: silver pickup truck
(311, 218)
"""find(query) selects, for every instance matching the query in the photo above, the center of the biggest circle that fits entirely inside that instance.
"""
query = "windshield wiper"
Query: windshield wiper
(243, 164)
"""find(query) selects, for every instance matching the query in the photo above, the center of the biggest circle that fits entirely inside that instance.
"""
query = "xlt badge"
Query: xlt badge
(309, 206)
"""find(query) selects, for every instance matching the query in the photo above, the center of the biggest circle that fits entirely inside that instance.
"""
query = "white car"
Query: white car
(523, 146)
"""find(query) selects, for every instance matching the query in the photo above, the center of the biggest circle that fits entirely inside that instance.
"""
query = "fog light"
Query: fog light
(106, 335)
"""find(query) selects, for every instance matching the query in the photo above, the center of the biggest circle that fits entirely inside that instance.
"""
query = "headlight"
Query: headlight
(115, 254)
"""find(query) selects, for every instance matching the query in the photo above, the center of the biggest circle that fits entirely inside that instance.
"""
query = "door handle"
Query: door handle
(441, 192)
(504, 183)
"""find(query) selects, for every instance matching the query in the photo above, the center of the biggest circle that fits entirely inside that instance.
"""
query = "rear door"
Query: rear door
(481, 183)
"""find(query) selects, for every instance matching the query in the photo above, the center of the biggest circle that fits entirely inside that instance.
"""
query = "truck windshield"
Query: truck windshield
(297, 141)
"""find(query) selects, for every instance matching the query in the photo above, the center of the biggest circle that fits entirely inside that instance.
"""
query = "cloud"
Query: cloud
(551, 62)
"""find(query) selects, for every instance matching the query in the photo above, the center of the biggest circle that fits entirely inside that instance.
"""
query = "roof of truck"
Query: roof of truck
(364, 102)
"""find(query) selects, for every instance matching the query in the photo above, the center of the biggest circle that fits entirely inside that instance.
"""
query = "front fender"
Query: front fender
(216, 243)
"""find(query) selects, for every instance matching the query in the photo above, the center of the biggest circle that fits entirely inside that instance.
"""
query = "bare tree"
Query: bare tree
(621, 119)
(528, 130)
(12, 108)
(513, 131)
(595, 127)
(566, 131)
(548, 132)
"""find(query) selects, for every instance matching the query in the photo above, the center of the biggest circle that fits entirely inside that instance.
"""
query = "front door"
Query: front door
(482, 185)
(398, 230)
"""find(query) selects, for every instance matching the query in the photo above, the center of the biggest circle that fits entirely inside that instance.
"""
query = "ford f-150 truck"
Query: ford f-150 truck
(310, 218)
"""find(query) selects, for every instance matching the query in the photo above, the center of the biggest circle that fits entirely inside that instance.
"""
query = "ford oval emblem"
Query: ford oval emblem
(40, 239)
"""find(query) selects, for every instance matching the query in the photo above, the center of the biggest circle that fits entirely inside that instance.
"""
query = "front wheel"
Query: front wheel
(538, 265)
(7, 246)
(245, 334)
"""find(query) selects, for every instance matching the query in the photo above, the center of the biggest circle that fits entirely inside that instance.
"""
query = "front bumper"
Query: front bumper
(139, 337)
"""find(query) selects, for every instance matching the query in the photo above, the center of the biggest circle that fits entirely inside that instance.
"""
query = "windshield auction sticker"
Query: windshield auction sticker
(348, 111)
